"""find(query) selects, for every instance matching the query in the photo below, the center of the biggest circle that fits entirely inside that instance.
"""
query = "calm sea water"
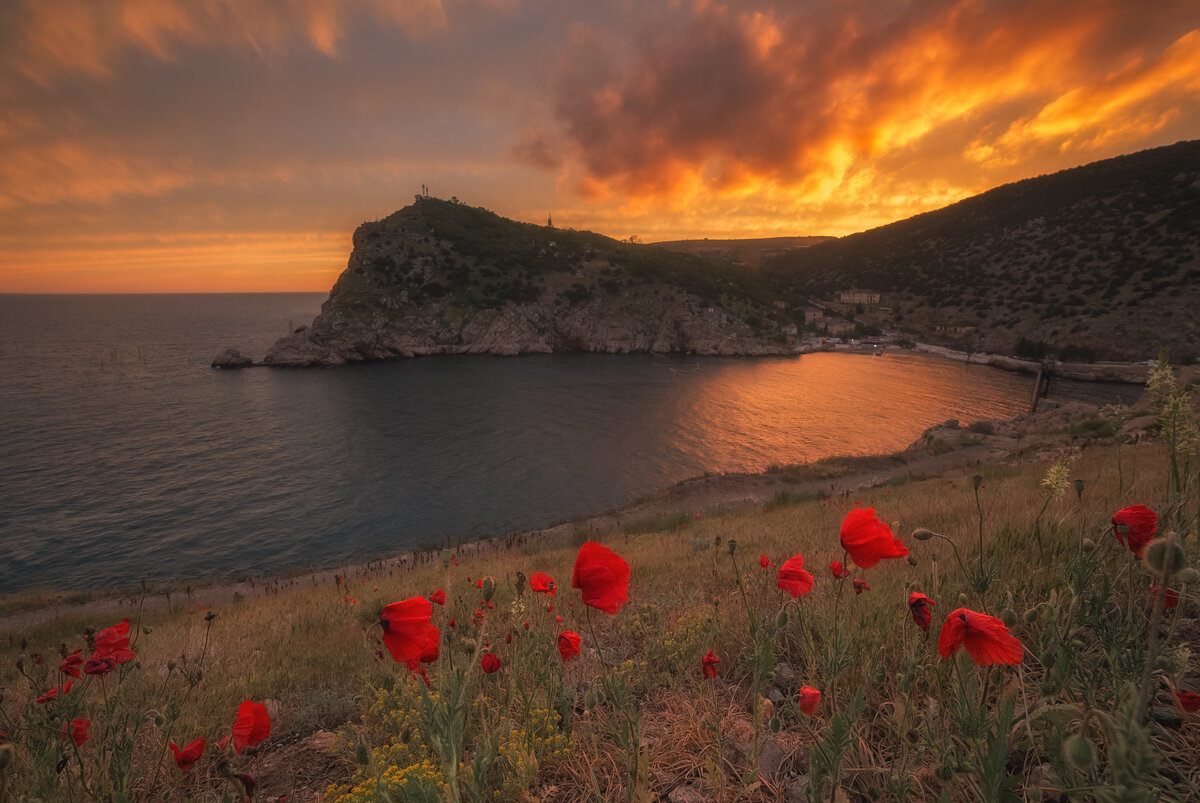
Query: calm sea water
(123, 455)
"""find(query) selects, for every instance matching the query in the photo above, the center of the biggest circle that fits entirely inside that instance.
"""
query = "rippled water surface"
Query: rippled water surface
(123, 455)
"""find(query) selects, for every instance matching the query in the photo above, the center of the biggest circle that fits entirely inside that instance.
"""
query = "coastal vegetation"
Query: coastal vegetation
(1016, 629)
(1083, 263)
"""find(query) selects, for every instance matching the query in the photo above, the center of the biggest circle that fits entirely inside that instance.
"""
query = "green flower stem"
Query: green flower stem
(837, 663)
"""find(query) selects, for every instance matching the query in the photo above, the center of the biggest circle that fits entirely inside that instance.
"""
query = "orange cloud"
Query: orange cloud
(1099, 112)
(732, 105)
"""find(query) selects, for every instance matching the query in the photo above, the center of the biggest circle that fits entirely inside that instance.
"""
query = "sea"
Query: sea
(124, 456)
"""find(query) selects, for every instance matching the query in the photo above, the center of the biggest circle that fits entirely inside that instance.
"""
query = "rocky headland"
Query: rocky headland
(440, 277)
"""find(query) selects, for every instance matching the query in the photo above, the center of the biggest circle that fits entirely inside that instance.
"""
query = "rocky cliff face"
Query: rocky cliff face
(443, 278)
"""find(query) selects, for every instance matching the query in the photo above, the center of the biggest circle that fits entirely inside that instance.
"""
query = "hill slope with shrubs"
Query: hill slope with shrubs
(1104, 258)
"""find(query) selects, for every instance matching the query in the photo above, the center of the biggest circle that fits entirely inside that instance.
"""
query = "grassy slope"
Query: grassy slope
(312, 653)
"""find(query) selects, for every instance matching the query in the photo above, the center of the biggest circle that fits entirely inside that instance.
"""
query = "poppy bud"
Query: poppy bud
(1088, 545)
(962, 599)
(922, 534)
(912, 561)
(467, 645)
(1188, 576)
(488, 587)
(445, 556)
(158, 720)
(976, 481)
(589, 701)
(208, 617)
(732, 546)
(1079, 487)
(171, 665)
(775, 725)
(1080, 752)
(147, 630)
(1009, 617)
(782, 619)
(1165, 555)
(1030, 616)
(361, 755)
(944, 773)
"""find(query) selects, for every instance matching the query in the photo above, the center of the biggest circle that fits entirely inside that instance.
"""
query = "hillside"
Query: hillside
(1097, 261)
(440, 277)
(749, 252)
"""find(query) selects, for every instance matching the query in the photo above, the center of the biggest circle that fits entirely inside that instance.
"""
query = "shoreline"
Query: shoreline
(940, 450)
(1131, 373)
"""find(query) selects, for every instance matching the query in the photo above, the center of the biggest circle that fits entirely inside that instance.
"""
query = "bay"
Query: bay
(124, 456)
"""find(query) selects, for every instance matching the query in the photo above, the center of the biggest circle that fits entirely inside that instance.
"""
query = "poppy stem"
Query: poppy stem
(737, 575)
(632, 742)
(837, 663)
(1152, 641)
(1129, 599)
(979, 507)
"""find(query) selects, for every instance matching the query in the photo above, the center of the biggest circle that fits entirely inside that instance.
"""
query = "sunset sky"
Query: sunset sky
(234, 145)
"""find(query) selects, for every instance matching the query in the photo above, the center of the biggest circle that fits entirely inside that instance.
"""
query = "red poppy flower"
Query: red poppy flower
(986, 638)
(189, 755)
(479, 583)
(112, 639)
(70, 665)
(407, 629)
(860, 586)
(51, 694)
(765, 562)
(438, 596)
(252, 725)
(869, 540)
(792, 577)
(568, 644)
(809, 699)
(543, 584)
(918, 606)
(1188, 700)
(433, 641)
(112, 648)
(99, 664)
(1170, 599)
(490, 662)
(351, 600)
(708, 664)
(526, 625)
(1134, 527)
(602, 577)
(77, 730)
(837, 570)
(508, 638)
